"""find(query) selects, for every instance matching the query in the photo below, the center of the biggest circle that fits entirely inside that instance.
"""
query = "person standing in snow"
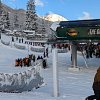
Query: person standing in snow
(96, 84)
(12, 39)
(46, 52)
(21, 62)
(44, 63)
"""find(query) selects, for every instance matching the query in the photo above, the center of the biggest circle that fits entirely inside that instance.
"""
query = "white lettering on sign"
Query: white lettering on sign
(94, 31)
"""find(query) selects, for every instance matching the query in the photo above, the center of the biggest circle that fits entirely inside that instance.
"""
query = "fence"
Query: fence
(37, 49)
(20, 82)
(19, 46)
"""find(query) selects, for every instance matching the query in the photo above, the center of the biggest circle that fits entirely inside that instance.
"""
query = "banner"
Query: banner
(78, 33)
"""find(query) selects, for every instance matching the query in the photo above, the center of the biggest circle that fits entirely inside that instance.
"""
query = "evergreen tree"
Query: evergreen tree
(1, 17)
(31, 16)
(16, 24)
(0, 8)
(4, 18)
(7, 21)
(43, 31)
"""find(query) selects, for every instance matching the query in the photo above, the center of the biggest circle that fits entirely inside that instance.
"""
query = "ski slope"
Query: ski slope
(73, 85)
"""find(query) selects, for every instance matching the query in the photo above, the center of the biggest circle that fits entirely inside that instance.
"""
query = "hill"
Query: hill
(21, 14)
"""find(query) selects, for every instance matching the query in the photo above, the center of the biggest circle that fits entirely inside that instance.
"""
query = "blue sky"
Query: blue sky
(70, 9)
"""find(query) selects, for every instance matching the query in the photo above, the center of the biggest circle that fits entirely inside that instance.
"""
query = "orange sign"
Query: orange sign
(72, 32)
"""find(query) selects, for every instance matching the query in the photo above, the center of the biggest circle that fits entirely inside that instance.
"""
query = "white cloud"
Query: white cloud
(39, 2)
(86, 15)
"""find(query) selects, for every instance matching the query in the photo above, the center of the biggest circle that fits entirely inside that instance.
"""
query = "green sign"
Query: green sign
(78, 33)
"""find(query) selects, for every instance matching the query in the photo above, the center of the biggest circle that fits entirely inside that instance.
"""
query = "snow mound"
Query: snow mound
(20, 82)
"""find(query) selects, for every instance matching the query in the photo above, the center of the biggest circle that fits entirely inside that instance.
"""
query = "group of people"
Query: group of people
(25, 61)
(90, 49)
(34, 43)
(61, 45)
(20, 40)
(44, 62)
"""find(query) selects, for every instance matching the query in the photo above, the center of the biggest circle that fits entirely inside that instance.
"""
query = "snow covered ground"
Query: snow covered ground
(73, 85)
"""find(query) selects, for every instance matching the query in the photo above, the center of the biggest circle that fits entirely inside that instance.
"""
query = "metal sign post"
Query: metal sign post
(55, 74)
(74, 55)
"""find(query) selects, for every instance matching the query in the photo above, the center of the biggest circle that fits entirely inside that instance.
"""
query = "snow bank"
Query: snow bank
(19, 46)
(20, 82)
(5, 43)
(37, 49)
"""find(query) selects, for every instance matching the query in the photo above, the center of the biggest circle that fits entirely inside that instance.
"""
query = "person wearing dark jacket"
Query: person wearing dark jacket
(91, 97)
(44, 63)
(96, 87)
(96, 84)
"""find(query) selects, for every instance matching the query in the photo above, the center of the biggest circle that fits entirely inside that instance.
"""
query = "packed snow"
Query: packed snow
(73, 85)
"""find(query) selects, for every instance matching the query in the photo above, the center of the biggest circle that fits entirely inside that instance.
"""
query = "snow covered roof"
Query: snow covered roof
(29, 31)
(55, 25)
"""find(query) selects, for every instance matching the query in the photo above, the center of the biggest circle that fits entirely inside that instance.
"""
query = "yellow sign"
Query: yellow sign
(72, 32)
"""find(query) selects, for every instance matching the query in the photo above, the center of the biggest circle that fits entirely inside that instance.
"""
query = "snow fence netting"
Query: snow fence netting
(20, 46)
(37, 49)
(23, 81)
